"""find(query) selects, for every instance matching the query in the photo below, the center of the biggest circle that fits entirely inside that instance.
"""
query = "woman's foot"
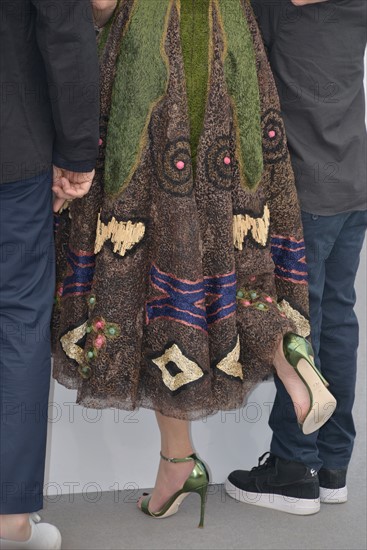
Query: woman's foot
(171, 478)
(296, 389)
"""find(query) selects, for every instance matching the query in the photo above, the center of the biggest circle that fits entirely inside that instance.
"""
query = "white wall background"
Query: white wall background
(90, 451)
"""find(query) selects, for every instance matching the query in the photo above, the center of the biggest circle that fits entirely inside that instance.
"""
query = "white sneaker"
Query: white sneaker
(333, 496)
(333, 486)
(44, 536)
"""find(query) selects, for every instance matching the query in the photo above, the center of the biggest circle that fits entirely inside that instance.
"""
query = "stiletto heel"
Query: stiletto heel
(299, 354)
(202, 492)
(197, 482)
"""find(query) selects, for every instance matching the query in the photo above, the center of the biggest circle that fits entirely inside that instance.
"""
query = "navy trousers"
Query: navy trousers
(333, 247)
(26, 296)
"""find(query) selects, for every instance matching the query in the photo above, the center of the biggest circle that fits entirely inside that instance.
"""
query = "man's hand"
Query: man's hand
(69, 185)
(103, 10)
(305, 2)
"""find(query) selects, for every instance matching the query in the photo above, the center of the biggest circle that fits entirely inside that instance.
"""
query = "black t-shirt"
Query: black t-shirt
(317, 56)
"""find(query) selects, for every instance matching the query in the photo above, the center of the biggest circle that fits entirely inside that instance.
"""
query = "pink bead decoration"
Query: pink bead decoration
(180, 165)
(272, 134)
(246, 303)
(227, 160)
(100, 141)
(99, 325)
(253, 278)
(268, 299)
(100, 341)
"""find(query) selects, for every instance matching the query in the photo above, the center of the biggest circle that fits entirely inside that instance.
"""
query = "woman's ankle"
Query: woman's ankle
(176, 452)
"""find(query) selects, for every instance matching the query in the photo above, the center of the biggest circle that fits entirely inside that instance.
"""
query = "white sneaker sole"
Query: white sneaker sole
(333, 496)
(290, 505)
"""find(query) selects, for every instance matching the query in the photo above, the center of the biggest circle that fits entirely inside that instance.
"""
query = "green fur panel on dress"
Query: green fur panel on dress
(141, 80)
(195, 37)
(242, 82)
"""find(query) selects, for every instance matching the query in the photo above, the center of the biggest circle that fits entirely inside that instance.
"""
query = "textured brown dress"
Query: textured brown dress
(184, 266)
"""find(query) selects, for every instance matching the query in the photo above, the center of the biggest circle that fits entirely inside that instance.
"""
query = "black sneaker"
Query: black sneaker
(280, 484)
(333, 486)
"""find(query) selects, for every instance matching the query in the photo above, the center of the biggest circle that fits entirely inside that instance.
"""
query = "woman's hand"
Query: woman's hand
(103, 10)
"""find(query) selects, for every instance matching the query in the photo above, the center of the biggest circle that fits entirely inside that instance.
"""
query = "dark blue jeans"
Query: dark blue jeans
(26, 296)
(333, 247)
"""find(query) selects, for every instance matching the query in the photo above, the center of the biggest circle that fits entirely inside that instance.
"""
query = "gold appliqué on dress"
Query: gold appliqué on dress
(302, 324)
(259, 227)
(123, 235)
(69, 343)
(190, 371)
(230, 363)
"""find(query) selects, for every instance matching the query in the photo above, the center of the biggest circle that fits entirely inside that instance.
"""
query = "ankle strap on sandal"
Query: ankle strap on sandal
(176, 460)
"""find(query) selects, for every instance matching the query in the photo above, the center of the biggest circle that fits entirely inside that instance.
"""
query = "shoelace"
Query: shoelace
(263, 466)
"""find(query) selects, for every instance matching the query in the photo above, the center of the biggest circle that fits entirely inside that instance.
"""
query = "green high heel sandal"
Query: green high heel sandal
(197, 482)
(299, 354)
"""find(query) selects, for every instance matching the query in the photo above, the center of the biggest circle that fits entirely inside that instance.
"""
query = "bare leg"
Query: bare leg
(293, 384)
(175, 443)
(15, 527)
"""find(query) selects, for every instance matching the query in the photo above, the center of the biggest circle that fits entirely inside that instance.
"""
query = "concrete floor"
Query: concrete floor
(113, 521)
